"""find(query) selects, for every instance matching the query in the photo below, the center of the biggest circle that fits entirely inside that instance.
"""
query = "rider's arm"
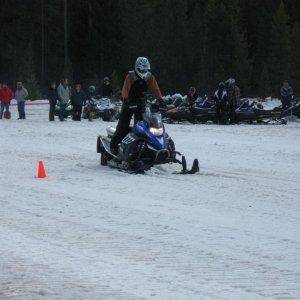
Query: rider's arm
(126, 87)
(153, 86)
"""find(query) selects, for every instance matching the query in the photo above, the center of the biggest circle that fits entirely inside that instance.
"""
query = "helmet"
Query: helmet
(142, 67)
(106, 79)
(92, 89)
(231, 81)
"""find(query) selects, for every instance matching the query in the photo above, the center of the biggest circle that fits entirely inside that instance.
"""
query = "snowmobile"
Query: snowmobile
(99, 108)
(294, 110)
(68, 110)
(90, 110)
(253, 111)
(146, 145)
(202, 111)
(106, 109)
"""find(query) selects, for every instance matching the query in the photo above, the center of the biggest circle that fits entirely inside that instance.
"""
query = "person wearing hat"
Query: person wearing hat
(106, 88)
(20, 95)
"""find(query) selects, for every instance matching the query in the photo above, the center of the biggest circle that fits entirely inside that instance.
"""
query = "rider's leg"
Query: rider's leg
(122, 128)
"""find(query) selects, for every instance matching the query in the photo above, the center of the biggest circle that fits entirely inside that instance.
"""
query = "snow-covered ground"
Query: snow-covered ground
(89, 232)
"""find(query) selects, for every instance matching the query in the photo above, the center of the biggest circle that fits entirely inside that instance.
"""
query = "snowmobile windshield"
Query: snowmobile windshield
(154, 120)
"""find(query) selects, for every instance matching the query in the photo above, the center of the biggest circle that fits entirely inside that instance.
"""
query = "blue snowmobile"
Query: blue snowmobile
(146, 145)
(253, 111)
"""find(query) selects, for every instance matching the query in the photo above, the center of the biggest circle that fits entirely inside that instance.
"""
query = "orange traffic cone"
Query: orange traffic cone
(41, 173)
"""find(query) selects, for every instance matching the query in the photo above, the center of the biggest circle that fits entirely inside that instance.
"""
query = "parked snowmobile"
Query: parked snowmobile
(146, 145)
(90, 109)
(253, 111)
(99, 108)
(202, 111)
(294, 110)
(106, 109)
(68, 110)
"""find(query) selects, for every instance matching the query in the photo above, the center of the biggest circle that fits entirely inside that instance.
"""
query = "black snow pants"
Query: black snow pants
(232, 115)
(221, 112)
(129, 109)
(77, 111)
(52, 103)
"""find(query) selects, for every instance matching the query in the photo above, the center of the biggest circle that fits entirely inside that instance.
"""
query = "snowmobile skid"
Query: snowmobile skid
(145, 146)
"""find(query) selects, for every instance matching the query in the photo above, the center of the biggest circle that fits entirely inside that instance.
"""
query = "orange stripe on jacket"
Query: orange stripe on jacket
(152, 85)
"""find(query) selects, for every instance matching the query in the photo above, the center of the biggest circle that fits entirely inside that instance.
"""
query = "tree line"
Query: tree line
(188, 42)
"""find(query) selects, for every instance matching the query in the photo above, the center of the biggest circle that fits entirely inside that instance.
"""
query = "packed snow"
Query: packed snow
(90, 232)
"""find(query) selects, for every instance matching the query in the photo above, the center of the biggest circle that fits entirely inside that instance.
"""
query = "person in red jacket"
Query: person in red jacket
(6, 95)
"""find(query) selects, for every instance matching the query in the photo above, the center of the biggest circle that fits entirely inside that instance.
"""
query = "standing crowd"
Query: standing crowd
(58, 96)
(7, 94)
(62, 95)
(227, 98)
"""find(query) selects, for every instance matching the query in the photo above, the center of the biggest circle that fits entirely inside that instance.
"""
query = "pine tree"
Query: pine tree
(295, 55)
(195, 48)
(264, 88)
(280, 52)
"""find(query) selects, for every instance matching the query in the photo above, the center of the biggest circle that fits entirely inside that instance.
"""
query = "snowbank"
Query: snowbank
(89, 232)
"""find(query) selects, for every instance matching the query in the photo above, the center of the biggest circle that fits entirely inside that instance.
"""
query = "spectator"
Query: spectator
(286, 95)
(106, 88)
(221, 99)
(77, 100)
(64, 94)
(20, 95)
(52, 97)
(234, 95)
(6, 95)
(192, 96)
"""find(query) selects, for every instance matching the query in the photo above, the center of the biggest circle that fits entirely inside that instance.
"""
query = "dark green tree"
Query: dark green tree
(280, 52)
(295, 55)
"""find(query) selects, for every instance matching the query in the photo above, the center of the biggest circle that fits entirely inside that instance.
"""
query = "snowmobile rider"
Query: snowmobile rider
(106, 88)
(135, 86)
(221, 99)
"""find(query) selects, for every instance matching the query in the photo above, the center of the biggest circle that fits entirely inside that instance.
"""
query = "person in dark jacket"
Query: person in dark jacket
(106, 88)
(234, 96)
(221, 99)
(192, 96)
(78, 97)
(286, 92)
(136, 84)
(52, 97)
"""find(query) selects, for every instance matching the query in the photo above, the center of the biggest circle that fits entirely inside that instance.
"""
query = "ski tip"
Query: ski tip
(195, 167)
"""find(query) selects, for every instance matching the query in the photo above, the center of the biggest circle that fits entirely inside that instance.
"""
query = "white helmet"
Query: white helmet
(142, 67)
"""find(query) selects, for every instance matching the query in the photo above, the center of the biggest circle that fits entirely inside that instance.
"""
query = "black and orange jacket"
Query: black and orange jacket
(134, 87)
